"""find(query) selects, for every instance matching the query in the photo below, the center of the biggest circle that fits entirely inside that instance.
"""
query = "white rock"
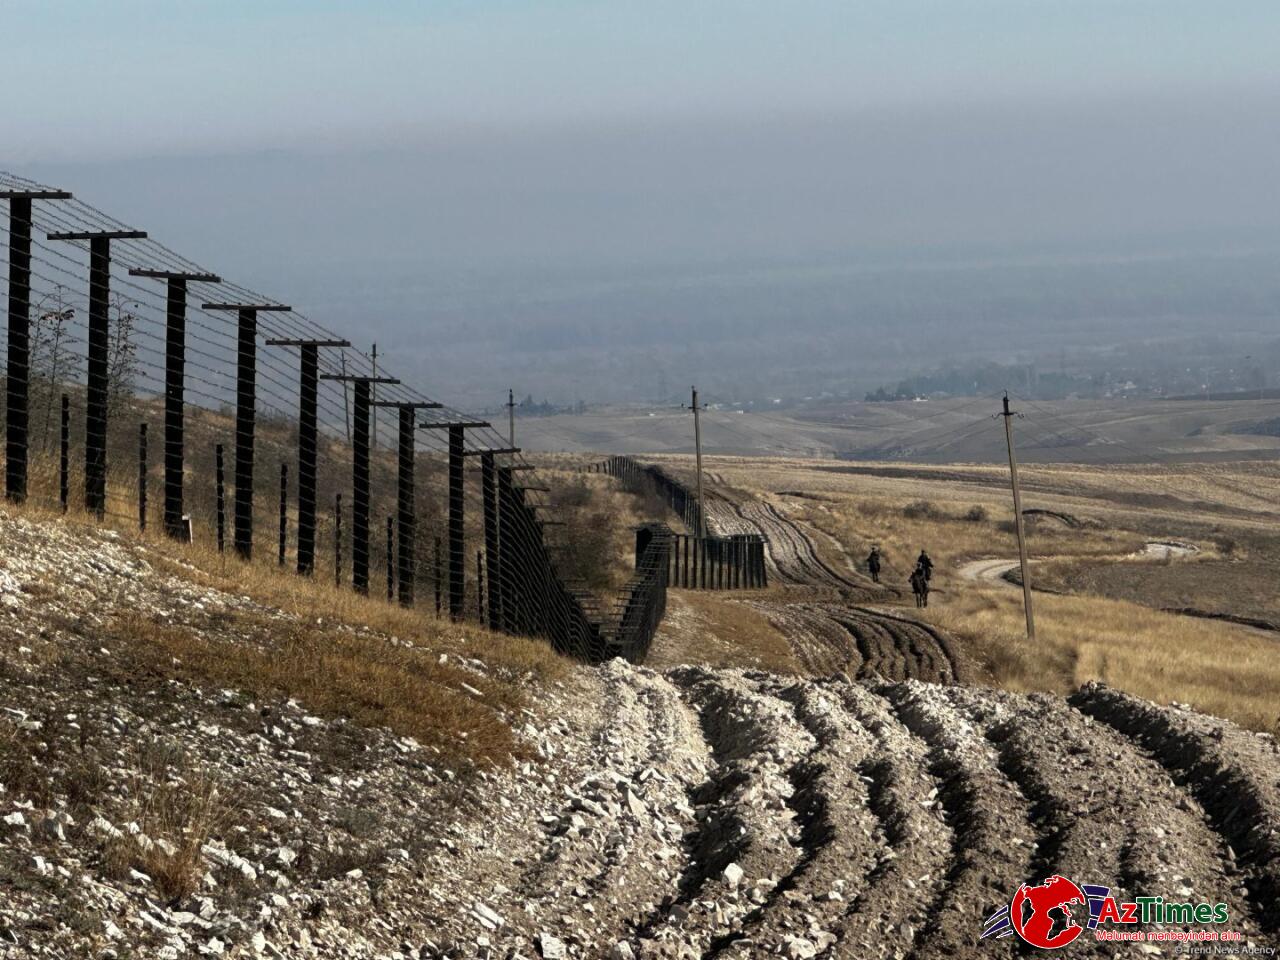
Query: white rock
(733, 874)
(552, 947)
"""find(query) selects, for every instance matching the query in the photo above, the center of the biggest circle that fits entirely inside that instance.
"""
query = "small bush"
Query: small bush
(921, 510)
(976, 514)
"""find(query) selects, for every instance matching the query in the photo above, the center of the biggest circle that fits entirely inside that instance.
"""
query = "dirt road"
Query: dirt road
(834, 618)
(1154, 551)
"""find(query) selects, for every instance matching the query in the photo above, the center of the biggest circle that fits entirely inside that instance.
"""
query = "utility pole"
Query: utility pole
(373, 399)
(697, 445)
(1017, 518)
(511, 418)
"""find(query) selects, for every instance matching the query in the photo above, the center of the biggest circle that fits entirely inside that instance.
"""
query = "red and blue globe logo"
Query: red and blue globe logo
(1049, 915)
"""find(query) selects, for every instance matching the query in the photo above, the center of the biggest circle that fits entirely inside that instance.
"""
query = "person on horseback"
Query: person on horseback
(873, 564)
(925, 565)
(920, 586)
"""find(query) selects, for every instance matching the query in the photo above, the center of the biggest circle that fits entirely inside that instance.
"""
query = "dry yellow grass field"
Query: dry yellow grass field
(1227, 511)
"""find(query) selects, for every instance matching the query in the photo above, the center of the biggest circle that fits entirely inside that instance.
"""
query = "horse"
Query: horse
(920, 587)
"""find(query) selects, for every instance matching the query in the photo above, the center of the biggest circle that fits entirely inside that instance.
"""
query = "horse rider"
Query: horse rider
(873, 564)
(925, 565)
(919, 581)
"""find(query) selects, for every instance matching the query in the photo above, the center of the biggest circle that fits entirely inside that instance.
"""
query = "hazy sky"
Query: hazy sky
(128, 77)
(500, 183)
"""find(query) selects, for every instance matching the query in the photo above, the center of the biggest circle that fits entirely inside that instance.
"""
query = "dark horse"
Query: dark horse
(920, 586)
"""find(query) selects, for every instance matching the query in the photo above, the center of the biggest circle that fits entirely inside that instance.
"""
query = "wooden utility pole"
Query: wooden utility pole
(511, 418)
(1017, 519)
(697, 445)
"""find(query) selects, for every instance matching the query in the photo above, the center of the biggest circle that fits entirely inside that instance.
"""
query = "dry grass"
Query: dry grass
(1219, 668)
(335, 672)
(336, 652)
(711, 629)
(177, 813)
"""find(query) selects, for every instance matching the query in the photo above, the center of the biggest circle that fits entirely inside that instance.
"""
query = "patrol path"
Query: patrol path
(826, 631)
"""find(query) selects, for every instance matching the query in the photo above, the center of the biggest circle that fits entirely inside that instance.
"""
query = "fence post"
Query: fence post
(435, 575)
(64, 456)
(220, 497)
(488, 492)
(308, 384)
(511, 593)
(337, 540)
(284, 513)
(246, 398)
(360, 485)
(18, 371)
(18, 382)
(456, 581)
(97, 373)
(175, 361)
(406, 508)
(142, 477)
(391, 560)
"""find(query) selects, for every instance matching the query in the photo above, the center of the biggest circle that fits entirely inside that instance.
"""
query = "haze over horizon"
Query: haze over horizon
(592, 201)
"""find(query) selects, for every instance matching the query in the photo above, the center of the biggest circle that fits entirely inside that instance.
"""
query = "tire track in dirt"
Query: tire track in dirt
(829, 637)
(903, 893)
(749, 816)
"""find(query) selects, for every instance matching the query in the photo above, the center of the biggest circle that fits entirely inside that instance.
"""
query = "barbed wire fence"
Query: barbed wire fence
(265, 423)
(697, 562)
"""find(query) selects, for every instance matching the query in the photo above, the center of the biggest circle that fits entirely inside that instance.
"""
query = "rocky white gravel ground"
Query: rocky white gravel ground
(693, 813)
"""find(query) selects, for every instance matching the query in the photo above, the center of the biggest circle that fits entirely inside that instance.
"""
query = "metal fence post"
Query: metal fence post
(391, 560)
(488, 492)
(220, 496)
(64, 456)
(337, 540)
(246, 414)
(308, 387)
(360, 485)
(456, 549)
(142, 477)
(18, 374)
(97, 372)
(175, 361)
(284, 514)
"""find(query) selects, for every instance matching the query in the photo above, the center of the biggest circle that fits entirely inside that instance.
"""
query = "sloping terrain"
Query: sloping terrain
(694, 812)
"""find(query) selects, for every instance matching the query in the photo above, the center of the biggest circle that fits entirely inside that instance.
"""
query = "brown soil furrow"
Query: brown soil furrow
(584, 854)
(1105, 812)
(902, 894)
(994, 838)
(840, 835)
(748, 818)
(1233, 773)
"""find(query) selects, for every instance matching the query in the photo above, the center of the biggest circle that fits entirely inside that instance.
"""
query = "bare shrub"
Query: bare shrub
(976, 514)
(921, 510)
(177, 813)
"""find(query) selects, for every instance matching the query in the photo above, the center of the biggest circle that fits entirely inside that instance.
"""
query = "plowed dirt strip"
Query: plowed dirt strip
(616, 841)
(994, 839)
(901, 894)
(1103, 810)
(830, 637)
(748, 828)
(840, 836)
(1233, 773)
